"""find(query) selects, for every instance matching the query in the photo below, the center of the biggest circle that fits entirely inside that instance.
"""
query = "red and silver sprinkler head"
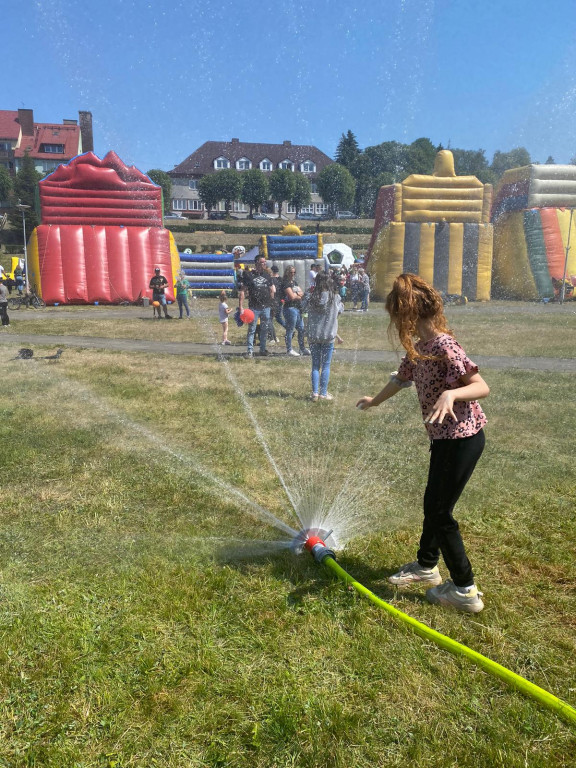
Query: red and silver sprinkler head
(318, 549)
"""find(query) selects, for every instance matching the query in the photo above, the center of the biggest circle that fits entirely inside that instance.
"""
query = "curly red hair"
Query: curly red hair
(410, 300)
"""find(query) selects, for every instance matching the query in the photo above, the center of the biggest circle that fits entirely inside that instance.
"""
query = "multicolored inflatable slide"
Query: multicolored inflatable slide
(437, 227)
(208, 273)
(101, 234)
(534, 225)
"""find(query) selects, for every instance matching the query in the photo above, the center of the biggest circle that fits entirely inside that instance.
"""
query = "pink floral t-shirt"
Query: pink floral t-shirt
(432, 377)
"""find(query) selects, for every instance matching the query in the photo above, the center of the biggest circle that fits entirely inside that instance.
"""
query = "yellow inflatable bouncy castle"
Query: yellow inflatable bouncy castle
(437, 227)
(534, 225)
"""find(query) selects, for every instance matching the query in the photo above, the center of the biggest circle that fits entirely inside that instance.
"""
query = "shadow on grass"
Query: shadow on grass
(310, 578)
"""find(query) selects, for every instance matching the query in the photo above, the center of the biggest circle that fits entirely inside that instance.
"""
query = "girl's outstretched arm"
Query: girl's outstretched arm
(393, 386)
(473, 388)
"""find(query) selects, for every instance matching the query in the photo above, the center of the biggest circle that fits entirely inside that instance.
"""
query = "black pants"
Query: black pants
(451, 465)
(4, 313)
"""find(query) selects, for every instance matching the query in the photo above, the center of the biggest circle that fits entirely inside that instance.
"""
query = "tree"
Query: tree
(516, 158)
(420, 157)
(26, 192)
(229, 187)
(347, 150)
(163, 180)
(254, 189)
(302, 192)
(6, 184)
(389, 157)
(473, 162)
(281, 187)
(550, 160)
(336, 187)
(208, 191)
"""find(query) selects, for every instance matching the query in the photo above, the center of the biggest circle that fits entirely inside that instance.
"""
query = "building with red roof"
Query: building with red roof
(213, 156)
(49, 144)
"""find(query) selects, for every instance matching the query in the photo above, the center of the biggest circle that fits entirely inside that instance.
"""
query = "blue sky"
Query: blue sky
(161, 78)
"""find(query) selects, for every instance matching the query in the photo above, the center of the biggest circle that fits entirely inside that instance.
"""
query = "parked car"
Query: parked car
(174, 216)
(308, 217)
(217, 215)
(346, 215)
(259, 216)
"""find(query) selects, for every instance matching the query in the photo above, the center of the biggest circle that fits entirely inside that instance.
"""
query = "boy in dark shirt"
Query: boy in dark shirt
(158, 284)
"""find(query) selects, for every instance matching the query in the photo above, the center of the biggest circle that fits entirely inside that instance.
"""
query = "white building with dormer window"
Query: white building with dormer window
(214, 156)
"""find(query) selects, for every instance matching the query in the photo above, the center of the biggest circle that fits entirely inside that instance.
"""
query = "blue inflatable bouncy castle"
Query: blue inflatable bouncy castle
(293, 249)
(208, 273)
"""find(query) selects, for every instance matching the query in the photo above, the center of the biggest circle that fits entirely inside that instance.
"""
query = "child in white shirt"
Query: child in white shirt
(223, 312)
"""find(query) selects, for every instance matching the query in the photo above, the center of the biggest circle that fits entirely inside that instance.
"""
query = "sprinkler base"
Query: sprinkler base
(313, 540)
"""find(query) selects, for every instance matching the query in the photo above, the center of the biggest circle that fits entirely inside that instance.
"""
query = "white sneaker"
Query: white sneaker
(327, 396)
(466, 599)
(293, 353)
(414, 573)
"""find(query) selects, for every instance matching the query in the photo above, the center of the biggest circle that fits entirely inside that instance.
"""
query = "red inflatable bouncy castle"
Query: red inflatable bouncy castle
(101, 234)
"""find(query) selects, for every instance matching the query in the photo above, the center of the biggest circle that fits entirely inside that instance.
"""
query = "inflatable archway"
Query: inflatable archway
(437, 227)
(101, 234)
(534, 220)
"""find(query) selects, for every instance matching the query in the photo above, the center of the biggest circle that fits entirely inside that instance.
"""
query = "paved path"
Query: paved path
(17, 340)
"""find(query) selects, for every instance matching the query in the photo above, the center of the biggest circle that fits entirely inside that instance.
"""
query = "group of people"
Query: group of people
(6, 286)
(271, 297)
(353, 284)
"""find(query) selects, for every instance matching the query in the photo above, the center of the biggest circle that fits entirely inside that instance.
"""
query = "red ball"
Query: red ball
(246, 315)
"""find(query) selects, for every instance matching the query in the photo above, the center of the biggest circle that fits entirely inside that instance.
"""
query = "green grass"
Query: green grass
(146, 619)
(502, 328)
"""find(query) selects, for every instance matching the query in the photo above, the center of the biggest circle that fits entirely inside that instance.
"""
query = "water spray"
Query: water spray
(313, 542)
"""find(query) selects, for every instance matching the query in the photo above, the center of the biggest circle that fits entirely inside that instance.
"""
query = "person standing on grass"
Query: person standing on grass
(448, 386)
(276, 310)
(292, 294)
(4, 304)
(363, 289)
(158, 285)
(223, 312)
(323, 305)
(257, 283)
(182, 287)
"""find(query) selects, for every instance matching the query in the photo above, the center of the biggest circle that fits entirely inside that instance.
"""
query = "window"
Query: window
(265, 165)
(5, 146)
(178, 204)
(308, 167)
(195, 205)
(54, 149)
(290, 208)
(243, 164)
(193, 184)
(221, 162)
(313, 188)
(307, 209)
(321, 208)
(239, 207)
(286, 165)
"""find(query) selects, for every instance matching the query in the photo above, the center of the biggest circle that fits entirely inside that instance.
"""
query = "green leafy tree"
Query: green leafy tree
(229, 186)
(254, 189)
(26, 192)
(208, 191)
(6, 184)
(550, 160)
(302, 192)
(516, 158)
(281, 183)
(163, 180)
(420, 156)
(347, 150)
(389, 157)
(336, 187)
(473, 162)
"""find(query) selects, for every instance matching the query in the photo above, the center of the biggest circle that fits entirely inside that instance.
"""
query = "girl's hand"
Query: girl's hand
(339, 339)
(443, 407)
(364, 403)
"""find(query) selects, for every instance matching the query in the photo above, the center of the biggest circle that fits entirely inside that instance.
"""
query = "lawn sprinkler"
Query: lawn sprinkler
(312, 540)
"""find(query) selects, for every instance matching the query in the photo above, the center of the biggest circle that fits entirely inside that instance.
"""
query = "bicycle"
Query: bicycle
(27, 300)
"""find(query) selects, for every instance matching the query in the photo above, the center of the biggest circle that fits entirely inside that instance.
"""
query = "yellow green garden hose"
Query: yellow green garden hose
(324, 555)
